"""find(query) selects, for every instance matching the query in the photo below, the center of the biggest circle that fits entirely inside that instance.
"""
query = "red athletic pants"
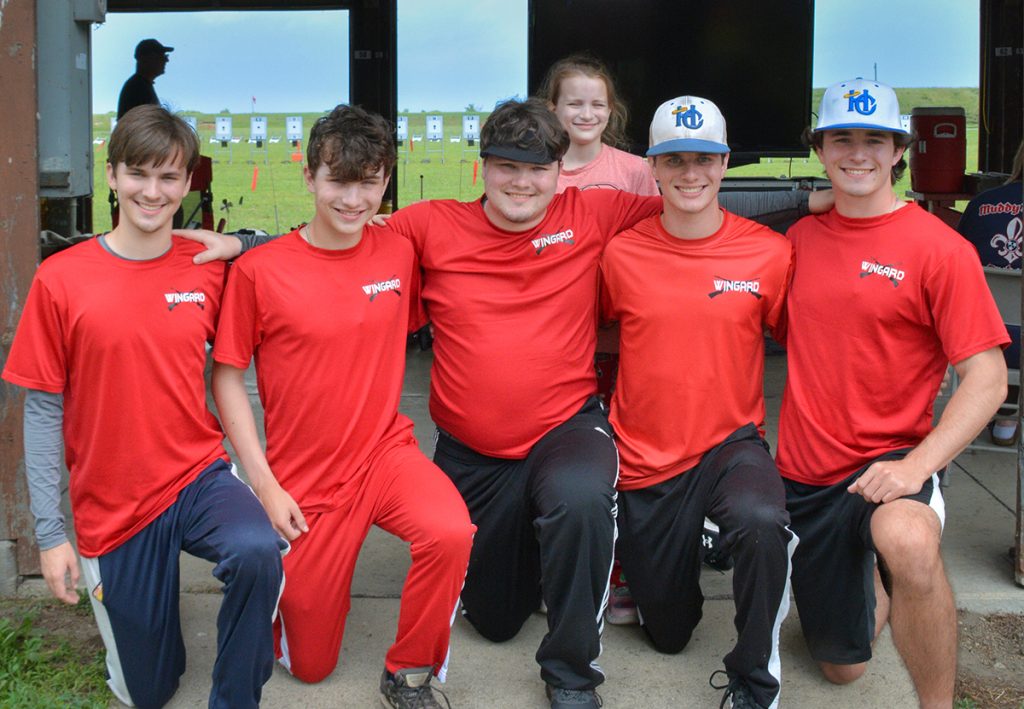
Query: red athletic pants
(406, 495)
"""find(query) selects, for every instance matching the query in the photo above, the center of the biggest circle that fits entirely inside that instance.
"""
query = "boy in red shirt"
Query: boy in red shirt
(884, 295)
(325, 312)
(693, 290)
(112, 344)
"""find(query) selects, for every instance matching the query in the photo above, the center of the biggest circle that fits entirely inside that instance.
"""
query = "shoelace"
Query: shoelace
(422, 697)
(740, 698)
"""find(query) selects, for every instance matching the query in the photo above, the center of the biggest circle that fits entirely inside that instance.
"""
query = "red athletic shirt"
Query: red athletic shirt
(125, 343)
(877, 308)
(514, 313)
(692, 315)
(328, 331)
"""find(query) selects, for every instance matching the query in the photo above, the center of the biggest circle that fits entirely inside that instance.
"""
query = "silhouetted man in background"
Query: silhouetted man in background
(150, 60)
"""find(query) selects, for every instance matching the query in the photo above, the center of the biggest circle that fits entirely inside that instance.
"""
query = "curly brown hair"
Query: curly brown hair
(526, 125)
(352, 143)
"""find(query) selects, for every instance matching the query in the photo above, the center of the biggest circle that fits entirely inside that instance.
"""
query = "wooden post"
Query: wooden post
(19, 244)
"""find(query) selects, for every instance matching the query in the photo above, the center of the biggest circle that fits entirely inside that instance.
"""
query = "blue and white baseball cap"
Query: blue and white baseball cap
(688, 124)
(860, 103)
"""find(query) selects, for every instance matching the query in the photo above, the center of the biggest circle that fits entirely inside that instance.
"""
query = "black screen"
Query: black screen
(751, 57)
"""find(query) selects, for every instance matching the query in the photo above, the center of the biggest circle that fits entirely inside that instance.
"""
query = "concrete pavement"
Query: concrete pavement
(979, 530)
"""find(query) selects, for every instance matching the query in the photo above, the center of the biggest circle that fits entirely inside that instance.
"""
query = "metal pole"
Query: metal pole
(1018, 545)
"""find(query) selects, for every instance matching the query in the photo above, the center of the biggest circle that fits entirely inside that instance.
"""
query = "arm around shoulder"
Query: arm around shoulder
(223, 247)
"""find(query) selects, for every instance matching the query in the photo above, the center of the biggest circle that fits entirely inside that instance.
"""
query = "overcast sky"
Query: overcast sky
(456, 52)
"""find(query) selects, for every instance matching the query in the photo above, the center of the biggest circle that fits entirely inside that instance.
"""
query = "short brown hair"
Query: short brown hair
(151, 134)
(352, 143)
(591, 67)
(528, 126)
(814, 140)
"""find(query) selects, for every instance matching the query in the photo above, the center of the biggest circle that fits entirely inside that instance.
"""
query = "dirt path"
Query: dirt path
(991, 660)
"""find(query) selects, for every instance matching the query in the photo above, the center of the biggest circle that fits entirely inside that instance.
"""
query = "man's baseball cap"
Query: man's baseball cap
(688, 124)
(150, 46)
(860, 103)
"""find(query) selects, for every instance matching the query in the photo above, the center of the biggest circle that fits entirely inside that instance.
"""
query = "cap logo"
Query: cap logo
(861, 101)
(688, 117)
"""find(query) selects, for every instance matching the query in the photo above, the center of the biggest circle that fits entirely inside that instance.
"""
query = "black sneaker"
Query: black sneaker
(410, 689)
(711, 548)
(737, 692)
(572, 698)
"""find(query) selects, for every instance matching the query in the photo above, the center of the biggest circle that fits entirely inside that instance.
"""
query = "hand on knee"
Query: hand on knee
(842, 674)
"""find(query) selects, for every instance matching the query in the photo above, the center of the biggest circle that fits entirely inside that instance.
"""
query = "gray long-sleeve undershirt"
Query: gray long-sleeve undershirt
(44, 420)
(775, 209)
(44, 441)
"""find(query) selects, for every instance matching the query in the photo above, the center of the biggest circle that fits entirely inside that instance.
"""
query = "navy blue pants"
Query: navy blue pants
(217, 518)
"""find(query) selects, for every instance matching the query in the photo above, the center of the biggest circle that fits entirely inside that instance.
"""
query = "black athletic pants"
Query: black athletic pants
(547, 522)
(737, 486)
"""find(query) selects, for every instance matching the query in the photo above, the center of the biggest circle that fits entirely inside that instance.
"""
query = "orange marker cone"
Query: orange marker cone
(255, 177)
(476, 166)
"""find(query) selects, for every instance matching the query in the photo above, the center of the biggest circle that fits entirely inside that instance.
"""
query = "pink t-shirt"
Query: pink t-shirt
(612, 169)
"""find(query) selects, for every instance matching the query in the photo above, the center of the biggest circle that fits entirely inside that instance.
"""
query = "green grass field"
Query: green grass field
(426, 170)
(280, 200)
(47, 659)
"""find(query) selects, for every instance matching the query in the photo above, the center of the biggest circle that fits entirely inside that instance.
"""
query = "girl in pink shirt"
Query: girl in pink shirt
(580, 90)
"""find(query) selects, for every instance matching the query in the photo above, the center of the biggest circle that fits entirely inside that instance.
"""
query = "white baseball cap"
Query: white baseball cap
(688, 124)
(860, 103)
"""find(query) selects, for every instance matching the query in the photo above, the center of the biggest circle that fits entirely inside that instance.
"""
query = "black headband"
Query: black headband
(510, 152)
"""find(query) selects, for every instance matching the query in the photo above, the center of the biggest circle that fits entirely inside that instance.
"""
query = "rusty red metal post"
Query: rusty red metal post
(19, 244)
